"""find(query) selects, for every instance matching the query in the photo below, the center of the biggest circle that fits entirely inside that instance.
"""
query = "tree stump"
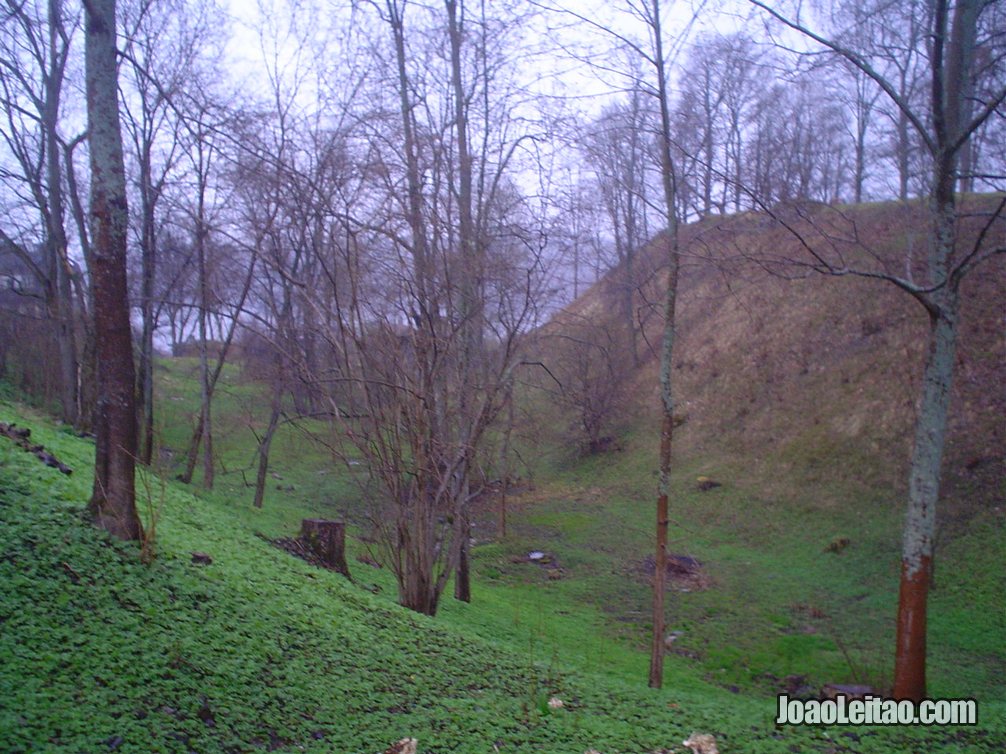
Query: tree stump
(327, 540)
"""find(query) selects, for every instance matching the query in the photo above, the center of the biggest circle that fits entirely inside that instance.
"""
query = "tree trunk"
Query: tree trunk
(463, 579)
(505, 460)
(860, 172)
(923, 493)
(86, 387)
(206, 390)
(470, 308)
(666, 361)
(628, 307)
(327, 540)
(113, 504)
(62, 304)
(263, 448)
(192, 455)
(149, 266)
(950, 109)
(902, 149)
(417, 589)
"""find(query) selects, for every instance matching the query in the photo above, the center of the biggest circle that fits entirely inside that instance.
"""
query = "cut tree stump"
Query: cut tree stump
(327, 540)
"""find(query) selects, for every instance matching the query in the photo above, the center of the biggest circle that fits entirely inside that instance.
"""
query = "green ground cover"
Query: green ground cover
(260, 651)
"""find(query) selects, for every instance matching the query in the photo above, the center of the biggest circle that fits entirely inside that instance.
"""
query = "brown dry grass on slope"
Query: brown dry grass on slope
(812, 376)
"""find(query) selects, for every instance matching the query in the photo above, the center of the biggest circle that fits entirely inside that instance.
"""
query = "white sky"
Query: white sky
(251, 50)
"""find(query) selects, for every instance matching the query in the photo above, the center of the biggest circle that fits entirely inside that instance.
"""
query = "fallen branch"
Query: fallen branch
(21, 436)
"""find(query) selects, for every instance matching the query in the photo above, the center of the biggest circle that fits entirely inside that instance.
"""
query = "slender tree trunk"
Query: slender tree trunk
(707, 150)
(860, 165)
(86, 388)
(62, 303)
(576, 264)
(635, 185)
(149, 267)
(206, 390)
(463, 579)
(113, 504)
(953, 56)
(192, 455)
(666, 360)
(265, 445)
(470, 309)
(628, 288)
(903, 150)
(738, 165)
(927, 453)
(283, 328)
(505, 460)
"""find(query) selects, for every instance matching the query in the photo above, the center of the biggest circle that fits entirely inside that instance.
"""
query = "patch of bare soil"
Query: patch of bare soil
(547, 561)
(684, 573)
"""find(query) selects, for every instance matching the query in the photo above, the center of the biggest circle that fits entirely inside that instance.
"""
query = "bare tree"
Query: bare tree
(279, 206)
(901, 50)
(652, 16)
(36, 46)
(858, 92)
(430, 276)
(591, 370)
(614, 145)
(162, 47)
(205, 122)
(944, 127)
(653, 53)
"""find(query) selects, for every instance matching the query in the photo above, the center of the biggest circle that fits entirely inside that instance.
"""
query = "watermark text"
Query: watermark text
(873, 710)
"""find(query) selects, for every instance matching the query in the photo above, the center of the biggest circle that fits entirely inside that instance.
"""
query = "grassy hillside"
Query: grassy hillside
(795, 396)
(260, 651)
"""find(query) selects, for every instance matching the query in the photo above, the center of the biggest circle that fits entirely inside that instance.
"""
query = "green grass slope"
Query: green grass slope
(261, 652)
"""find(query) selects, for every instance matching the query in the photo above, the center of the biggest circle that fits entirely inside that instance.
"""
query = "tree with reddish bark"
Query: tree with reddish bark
(955, 113)
(113, 503)
(653, 53)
